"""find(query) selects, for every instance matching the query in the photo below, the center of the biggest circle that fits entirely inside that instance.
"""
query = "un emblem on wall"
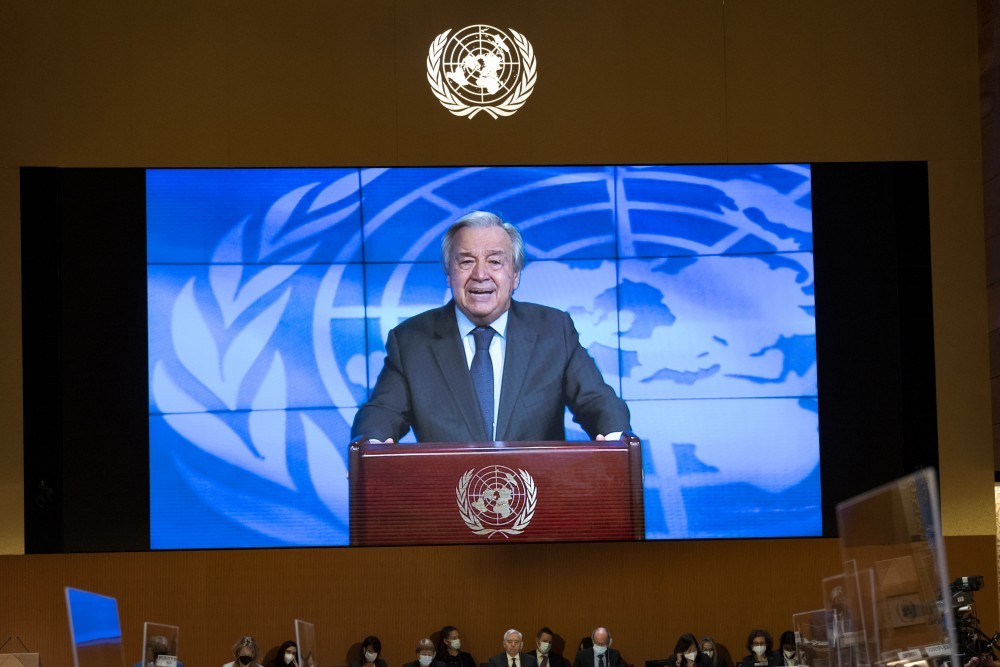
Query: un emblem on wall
(495, 499)
(481, 68)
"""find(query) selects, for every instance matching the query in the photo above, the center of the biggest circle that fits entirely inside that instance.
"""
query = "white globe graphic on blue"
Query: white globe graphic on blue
(481, 65)
(691, 287)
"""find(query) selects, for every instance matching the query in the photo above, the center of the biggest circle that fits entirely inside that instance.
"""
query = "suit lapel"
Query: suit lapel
(450, 357)
(521, 339)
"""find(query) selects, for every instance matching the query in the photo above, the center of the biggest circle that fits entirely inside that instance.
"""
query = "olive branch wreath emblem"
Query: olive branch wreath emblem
(509, 105)
(472, 520)
(216, 361)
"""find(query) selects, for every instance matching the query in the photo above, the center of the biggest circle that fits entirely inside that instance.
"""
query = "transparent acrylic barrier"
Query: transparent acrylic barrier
(849, 628)
(94, 630)
(159, 640)
(305, 637)
(895, 531)
(811, 638)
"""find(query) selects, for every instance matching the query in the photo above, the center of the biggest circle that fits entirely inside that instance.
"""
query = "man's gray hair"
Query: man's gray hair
(512, 631)
(481, 219)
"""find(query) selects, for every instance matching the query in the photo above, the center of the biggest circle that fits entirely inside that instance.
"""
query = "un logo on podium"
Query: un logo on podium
(481, 68)
(496, 500)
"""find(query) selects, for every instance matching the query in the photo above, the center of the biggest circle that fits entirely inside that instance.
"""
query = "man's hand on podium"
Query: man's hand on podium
(387, 441)
(617, 435)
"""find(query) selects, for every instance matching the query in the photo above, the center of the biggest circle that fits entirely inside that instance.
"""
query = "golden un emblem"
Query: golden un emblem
(496, 500)
(481, 68)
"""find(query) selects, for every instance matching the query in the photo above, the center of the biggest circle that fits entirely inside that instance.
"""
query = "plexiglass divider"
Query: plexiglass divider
(160, 644)
(305, 638)
(812, 643)
(894, 590)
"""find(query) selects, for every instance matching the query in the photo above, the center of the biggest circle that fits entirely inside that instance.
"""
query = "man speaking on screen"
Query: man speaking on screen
(485, 367)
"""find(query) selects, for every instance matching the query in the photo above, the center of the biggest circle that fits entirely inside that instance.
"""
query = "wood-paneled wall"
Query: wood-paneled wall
(315, 82)
(647, 593)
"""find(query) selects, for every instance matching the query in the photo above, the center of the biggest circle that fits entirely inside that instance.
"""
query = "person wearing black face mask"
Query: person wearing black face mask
(246, 653)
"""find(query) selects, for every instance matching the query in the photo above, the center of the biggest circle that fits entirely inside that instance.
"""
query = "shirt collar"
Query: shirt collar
(465, 325)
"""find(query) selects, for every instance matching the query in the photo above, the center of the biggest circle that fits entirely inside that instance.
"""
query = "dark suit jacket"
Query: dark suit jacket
(555, 659)
(425, 382)
(523, 660)
(585, 658)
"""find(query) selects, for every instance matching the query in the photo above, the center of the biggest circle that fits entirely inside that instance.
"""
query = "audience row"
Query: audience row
(593, 651)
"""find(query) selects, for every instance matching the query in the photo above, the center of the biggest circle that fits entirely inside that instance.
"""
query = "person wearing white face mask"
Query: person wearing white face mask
(543, 653)
(450, 649)
(687, 652)
(759, 645)
(601, 654)
(711, 651)
(788, 654)
(426, 655)
(287, 655)
(370, 654)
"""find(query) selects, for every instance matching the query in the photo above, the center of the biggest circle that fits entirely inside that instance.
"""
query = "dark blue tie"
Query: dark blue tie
(482, 376)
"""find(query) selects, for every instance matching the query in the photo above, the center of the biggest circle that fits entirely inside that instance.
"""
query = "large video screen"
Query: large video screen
(271, 293)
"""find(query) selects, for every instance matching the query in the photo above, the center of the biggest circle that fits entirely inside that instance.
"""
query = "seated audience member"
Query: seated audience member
(759, 645)
(600, 654)
(512, 656)
(787, 654)
(450, 649)
(687, 652)
(156, 646)
(543, 653)
(711, 651)
(585, 643)
(245, 652)
(288, 654)
(370, 654)
(425, 655)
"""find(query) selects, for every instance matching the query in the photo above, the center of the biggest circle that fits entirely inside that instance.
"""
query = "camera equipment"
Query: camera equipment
(974, 645)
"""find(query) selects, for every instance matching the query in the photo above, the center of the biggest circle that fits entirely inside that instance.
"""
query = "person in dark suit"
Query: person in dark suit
(543, 653)
(512, 656)
(485, 367)
(600, 654)
(425, 655)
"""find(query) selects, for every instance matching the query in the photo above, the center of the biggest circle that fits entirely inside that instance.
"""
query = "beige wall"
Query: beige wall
(327, 82)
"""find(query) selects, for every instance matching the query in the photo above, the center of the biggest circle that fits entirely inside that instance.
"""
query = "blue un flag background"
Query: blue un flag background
(271, 293)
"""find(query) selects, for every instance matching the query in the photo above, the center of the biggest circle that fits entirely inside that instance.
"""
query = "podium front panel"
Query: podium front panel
(495, 492)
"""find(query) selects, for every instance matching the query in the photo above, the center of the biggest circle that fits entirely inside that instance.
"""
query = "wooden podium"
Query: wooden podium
(449, 493)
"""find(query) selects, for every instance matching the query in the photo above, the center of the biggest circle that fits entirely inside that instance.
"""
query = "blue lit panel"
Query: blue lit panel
(271, 293)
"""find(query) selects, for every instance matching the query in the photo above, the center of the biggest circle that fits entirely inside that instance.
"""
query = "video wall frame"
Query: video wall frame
(102, 213)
